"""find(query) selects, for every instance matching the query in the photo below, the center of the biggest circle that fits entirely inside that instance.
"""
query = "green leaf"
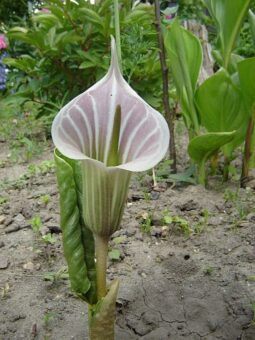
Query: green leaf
(221, 107)
(203, 147)
(246, 71)
(87, 64)
(24, 63)
(120, 239)
(114, 254)
(229, 17)
(137, 15)
(168, 219)
(252, 24)
(47, 19)
(185, 59)
(73, 230)
(91, 16)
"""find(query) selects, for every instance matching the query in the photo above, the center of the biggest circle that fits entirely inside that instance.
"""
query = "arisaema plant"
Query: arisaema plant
(101, 137)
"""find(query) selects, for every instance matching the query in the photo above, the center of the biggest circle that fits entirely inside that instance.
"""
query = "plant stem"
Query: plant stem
(226, 169)
(117, 30)
(101, 248)
(201, 173)
(248, 158)
(214, 163)
(164, 70)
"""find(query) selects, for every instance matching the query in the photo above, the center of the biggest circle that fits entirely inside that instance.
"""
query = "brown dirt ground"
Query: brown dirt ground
(198, 285)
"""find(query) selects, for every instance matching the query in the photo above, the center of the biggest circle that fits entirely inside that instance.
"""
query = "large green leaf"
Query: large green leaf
(222, 108)
(78, 241)
(246, 71)
(185, 59)
(252, 24)
(203, 147)
(229, 16)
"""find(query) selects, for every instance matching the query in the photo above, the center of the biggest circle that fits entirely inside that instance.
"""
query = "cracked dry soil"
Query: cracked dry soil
(173, 285)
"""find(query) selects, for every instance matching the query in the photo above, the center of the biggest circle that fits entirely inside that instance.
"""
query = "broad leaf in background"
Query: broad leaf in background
(246, 71)
(229, 16)
(222, 108)
(201, 148)
(185, 59)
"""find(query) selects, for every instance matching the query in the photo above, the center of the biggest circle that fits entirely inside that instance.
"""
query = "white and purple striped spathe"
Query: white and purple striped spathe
(83, 128)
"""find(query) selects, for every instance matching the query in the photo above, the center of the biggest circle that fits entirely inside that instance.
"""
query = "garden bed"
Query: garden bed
(184, 256)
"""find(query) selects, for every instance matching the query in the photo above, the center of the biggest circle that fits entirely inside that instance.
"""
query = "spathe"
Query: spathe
(83, 128)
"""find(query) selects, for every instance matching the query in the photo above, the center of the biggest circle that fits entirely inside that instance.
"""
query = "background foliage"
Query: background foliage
(64, 48)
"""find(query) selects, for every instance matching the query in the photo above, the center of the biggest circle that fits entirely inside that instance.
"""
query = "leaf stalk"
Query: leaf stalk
(101, 249)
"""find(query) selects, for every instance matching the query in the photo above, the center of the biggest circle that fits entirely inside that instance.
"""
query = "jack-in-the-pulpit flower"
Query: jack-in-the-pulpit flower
(113, 132)
(102, 136)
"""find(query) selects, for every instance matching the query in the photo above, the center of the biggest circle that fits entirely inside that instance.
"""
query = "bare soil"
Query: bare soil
(178, 281)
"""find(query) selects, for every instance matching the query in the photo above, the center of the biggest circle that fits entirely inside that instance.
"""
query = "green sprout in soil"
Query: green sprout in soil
(3, 200)
(54, 277)
(209, 270)
(201, 225)
(177, 221)
(36, 224)
(45, 199)
(5, 291)
(49, 238)
(146, 224)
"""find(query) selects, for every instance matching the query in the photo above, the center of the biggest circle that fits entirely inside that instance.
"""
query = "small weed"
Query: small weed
(47, 319)
(181, 223)
(147, 196)
(3, 200)
(33, 171)
(146, 223)
(239, 203)
(24, 149)
(114, 254)
(61, 274)
(41, 169)
(3, 164)
(230, 196)
(36, 224)
(45, 199)
(5, 291)
(49, 238)
(119, 239)
(202, 223)
(209, 270)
